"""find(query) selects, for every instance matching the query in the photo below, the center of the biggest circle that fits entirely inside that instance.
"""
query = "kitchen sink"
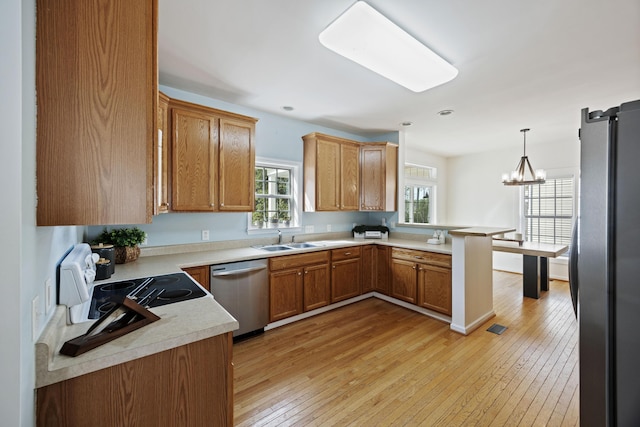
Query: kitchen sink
(302, 245)
(274, 248)
(287, 246)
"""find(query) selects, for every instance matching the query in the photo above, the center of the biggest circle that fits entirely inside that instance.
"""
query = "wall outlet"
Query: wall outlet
(308, 228)
(392, 224)
(328, 227)
(48, 295)
(205, 234)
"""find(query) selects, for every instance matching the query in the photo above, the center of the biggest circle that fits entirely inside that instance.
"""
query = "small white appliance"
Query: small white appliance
(77, 273)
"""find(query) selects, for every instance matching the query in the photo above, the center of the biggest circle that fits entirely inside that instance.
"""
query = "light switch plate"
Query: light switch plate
(35, 317)
(48, 295)
(205, 234)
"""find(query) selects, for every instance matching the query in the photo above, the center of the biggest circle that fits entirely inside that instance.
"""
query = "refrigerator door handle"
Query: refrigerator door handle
(573, 268)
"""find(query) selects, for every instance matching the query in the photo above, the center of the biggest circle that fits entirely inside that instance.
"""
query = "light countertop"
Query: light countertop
(531, 248)
(180, 323)
(481, 231)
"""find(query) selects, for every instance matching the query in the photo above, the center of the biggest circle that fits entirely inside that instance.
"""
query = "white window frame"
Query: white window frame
(412, 181)
(555, 176)
(296, 194)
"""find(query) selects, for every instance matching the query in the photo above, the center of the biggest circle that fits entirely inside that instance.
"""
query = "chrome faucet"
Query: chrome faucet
(279, 237)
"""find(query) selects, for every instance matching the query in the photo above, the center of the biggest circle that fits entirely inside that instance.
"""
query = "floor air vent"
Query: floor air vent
(497, 329)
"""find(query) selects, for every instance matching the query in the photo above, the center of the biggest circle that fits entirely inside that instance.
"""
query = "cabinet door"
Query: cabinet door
(378, 177)
(403, 280)
(345, 279)
(200, 275)
(149, 385)
(316, 290)
(285, 294)
(194, 170)
(434, 288)
(372, 182)
(237, 161)
(349, 177)
(96, 88)
(327, 176)
(161, 159)
(369, 267)
(381, 272)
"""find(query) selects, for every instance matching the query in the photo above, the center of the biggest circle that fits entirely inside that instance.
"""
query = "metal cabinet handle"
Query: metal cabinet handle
(414, 267)
(306, 272)
(418, 257)
(299, 274)
(221, 204)
(347, 253)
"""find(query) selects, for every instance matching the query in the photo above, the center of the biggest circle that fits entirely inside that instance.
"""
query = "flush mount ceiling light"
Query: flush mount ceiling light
(365, 36)
(519, 175)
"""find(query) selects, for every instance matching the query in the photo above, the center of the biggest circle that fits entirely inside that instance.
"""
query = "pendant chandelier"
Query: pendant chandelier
(523, 174)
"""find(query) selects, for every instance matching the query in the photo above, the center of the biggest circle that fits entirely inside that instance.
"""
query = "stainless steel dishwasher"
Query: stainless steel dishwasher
(242, 288)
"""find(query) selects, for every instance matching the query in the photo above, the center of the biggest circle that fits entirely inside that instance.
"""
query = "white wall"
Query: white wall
(10, 172)
(477, 196)
(29, 254)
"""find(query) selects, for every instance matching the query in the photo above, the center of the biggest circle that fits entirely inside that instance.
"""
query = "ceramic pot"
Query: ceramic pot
(125, 254)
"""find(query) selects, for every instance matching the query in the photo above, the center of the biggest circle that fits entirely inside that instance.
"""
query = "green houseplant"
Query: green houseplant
(125, 242)
(258, 219)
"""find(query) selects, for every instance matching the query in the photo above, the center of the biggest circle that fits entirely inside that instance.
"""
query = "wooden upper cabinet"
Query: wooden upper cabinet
(96, 87)
(213, 159)
(237, 164)
(331, 173)
(161, 158)
(194, 165)
(378, 177)
(349, 176)
(327, 176)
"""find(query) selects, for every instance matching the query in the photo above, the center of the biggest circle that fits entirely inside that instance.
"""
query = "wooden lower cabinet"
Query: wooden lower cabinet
(200, 274)
(382, 269)
(375, 269)
(422, 278)
(191, 385)
(403, 282)
(285, 294)
(316, 291)
(298, 283)
(434, 288)
(368, 268)
(345, 273)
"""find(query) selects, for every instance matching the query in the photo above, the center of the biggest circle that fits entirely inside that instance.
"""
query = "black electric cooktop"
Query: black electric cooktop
(176, 287)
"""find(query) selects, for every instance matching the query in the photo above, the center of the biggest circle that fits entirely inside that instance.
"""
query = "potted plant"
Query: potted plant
(285, 220)
(258, 219)
(273, 221)
(125, 241)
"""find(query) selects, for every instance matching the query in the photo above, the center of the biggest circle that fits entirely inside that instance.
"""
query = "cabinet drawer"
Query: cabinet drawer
(423, 257)
(345, 253)
(292, 261)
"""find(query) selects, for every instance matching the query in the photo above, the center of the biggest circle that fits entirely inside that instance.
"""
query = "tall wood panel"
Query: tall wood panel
(96, 85)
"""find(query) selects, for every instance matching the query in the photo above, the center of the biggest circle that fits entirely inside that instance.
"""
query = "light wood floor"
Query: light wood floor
(373, 363)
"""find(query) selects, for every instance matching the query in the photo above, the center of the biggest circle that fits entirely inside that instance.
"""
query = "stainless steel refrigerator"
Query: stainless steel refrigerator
(605, 266)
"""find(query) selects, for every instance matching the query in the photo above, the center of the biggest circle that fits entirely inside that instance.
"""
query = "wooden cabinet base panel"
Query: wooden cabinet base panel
(191, 385)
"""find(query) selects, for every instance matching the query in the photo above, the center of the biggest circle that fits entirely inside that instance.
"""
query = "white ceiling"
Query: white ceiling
(521, 63)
